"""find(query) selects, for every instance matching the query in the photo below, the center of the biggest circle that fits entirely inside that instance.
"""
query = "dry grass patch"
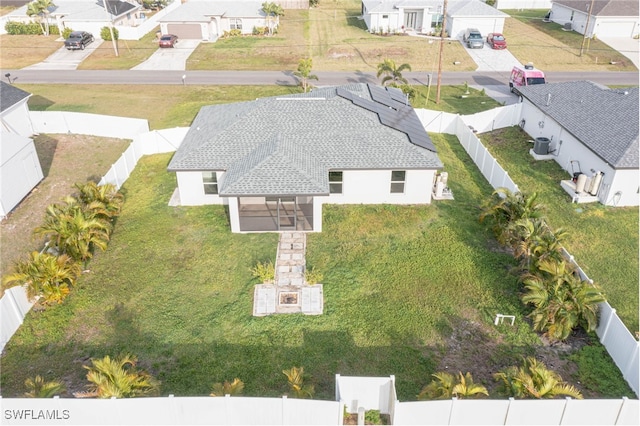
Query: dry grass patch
(130, 54)
(19, 51)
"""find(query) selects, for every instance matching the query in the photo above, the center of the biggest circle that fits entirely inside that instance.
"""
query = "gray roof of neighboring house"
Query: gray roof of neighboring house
(84, 10)
(604, 120)
(201, 10)
(454, 8)
(287, 145)
(10, 95)
(604, 7)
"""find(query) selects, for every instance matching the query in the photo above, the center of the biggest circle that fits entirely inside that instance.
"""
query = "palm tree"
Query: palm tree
(295, 376)
(45, 275)
(532, 240)
(40, 8)
(234, 388)
(392, 73)
(534, 380)
(105, 201)
(505, 208)
(274, 11)
(304, 73)
(39, 388)
(444, 386)
(71, 230)
(118, 378)
(561, 300)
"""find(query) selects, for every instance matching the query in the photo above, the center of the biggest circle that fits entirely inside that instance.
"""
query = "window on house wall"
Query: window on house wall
(210, 182)
(235, 23)
(397, 181)
(385, 16)
(335, 182)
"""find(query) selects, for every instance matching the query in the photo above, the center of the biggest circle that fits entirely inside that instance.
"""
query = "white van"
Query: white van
(525, 75)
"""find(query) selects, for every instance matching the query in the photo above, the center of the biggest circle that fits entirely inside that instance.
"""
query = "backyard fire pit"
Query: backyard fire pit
(288, 298)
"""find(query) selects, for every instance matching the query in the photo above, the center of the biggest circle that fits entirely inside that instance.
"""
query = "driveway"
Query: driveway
(63, 59)
(626, 46)
(489, 59)
(170, 58)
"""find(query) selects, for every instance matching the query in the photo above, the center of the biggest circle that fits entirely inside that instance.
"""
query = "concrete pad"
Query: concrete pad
(63, 59)
(625, 45)
(489, 59)
(170, 58)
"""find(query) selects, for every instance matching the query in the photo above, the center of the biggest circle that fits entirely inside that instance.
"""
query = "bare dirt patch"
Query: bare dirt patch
(65, 160)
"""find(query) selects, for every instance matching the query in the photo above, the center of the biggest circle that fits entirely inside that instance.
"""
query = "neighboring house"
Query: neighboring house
(523, 4)
(608, 18)
(424, 16)
(276, 161)
(207, 20)
(592, 129)
(86, 15)
(20, 169)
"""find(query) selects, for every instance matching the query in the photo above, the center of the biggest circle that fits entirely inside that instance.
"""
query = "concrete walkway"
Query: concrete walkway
(289, 293)
(627, 46)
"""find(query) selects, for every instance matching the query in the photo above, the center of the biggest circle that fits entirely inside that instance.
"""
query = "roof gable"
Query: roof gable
(287, 145)
(604, 120)
(10, 96)
(604, 7)
(201, 10)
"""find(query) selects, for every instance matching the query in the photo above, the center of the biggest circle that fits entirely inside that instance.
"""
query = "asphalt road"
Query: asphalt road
(137, 77)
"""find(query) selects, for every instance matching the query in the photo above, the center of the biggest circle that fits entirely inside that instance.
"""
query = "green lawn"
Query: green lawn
(175, 288)
(604, 240)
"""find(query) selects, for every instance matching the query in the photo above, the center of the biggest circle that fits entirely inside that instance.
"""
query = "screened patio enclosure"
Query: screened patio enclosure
(264, 214)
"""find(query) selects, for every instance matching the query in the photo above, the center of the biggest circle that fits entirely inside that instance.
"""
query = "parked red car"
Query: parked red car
(168, 40)
(497, 41)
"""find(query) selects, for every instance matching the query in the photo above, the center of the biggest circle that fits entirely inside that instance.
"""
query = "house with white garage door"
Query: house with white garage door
(276, 161)
(605, 18)
(208, 20)
(423, 16)
(20, 169)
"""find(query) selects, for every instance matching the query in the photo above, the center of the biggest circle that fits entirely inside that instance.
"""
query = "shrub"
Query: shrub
(314, 3)
(260, 31)
(312, 276)
(266, 272)
(231, 33)
(66, 32)
(20, 28)
(105, 33)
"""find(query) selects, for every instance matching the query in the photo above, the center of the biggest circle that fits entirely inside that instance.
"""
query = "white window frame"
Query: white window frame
(397, 184)
(336, 186)
(210, 183)
(235, 24)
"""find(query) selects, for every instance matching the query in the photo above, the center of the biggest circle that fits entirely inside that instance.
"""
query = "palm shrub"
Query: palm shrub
(45, 275)
(313, 276)
(445, 386)
(236, 387)
(561, 300)
(103, 201)
(295, 377)
(392, 73)
(265, 271)
(118, 378)
(533, 380)
(38, 387)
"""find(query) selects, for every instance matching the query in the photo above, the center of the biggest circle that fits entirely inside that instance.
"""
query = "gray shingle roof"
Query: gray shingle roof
(604, 7)
(454, 8)
(10, 95)
(287, 145)
(604, 120)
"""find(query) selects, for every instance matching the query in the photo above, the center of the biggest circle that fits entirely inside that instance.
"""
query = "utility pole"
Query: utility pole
(584, 38)
(113, 39)
(442, 33)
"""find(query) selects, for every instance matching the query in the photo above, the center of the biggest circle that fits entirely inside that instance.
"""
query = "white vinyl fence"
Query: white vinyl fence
(369, 393)
(14, 305)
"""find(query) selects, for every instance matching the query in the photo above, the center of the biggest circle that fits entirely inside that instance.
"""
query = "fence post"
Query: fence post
(612, 312)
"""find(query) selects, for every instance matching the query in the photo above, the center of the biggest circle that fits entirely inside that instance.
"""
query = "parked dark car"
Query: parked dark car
(473, 38)
(78, 40)
(497, 41)
(168, 40)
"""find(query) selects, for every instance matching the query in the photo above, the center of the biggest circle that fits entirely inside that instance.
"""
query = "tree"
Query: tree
(532, 240)
(39, 388)
(444, 386)
(273, 11)
(236, 387)
(45, 275)
(392, 73)
(118, 378)
(104, 201)
(72, 230)
(40, 8)
(295, 377)
(561, 300)
(505, 208)
(304, 73)
(534, 380)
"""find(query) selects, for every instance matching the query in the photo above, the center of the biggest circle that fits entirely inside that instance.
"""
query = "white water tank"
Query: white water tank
(581, 182)
(595, 183)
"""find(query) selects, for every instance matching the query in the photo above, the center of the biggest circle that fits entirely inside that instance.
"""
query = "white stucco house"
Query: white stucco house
(593, 130)
(86, 15)
(423, 16)
(276, 161)
(523, 4)
(207, 20)
(20, 169)
(608, 18)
